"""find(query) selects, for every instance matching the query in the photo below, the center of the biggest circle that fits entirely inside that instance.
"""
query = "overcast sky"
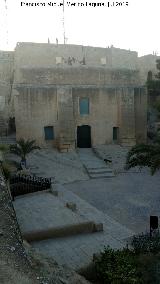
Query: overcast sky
(134, 27)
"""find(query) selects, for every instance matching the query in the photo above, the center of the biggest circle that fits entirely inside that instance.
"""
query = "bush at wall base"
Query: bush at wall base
(139, 264)
(117, 266)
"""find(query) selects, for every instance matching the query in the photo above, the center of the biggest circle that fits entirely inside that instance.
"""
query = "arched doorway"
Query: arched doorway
(84, 136)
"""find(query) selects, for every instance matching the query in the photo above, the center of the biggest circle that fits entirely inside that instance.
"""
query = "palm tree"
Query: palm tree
(143, 155)
(23, 148)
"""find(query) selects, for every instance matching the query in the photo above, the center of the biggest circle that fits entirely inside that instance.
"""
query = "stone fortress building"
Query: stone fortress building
(69, 96)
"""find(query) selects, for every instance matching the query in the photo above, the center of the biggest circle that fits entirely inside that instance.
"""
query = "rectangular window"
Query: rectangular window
(115, 133)
(49, 132)
(84, 106)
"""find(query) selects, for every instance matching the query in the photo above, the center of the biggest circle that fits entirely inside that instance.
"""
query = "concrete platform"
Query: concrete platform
(77, 251)
(69, 237)
(41, 215)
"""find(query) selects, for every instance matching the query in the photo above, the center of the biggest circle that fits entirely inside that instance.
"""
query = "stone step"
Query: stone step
(99, 170)
(93, 165)
(3, 132)
(7, 140)
(102, 175)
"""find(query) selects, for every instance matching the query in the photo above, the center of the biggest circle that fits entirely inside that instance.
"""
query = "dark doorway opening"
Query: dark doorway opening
(84, 136)
(115, 134)
(11, 125)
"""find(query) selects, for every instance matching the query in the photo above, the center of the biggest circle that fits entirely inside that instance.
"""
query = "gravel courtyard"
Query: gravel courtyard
(129, 197)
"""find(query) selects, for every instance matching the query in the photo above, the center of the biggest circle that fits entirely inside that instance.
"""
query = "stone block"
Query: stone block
(72, 206)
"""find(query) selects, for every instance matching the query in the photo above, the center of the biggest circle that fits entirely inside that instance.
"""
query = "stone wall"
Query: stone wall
(141, 106)
(79, 76)
(34, 109)
(42, 54)
(6, 80)
(125, 59)
(49, 55)
(58, 106)
(49, 79)
(103, 112)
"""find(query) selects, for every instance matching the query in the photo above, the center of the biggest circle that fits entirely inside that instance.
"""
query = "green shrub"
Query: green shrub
(4, 148)
(149, 267)
(9, 168)
(6, 170)
(147, 252)
(117, 267)
(143, 243)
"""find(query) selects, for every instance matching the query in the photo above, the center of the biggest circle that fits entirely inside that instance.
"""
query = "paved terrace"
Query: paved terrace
(128, 198)
(37, 212)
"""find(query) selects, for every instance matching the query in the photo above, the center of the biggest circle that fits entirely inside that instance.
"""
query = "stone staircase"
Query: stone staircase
(8, 140)
(95, 167)
(100, 172)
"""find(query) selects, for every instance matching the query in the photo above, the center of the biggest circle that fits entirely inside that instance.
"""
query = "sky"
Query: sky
(133, 26)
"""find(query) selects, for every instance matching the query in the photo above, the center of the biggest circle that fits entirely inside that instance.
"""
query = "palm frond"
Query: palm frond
(23, 147)
(143, 155)
(155, 163)
(15, 149)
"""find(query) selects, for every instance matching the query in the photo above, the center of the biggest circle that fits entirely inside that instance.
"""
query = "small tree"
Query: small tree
(23, 148)
(144, 156)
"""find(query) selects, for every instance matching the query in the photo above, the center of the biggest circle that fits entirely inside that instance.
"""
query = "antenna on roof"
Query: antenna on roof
(6, 12)
(4, 24)
(64, 35)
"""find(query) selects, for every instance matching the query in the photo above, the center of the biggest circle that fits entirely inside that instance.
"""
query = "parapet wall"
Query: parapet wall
(124, 59)
(46, 55)
(78, 76)
(40, 55)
